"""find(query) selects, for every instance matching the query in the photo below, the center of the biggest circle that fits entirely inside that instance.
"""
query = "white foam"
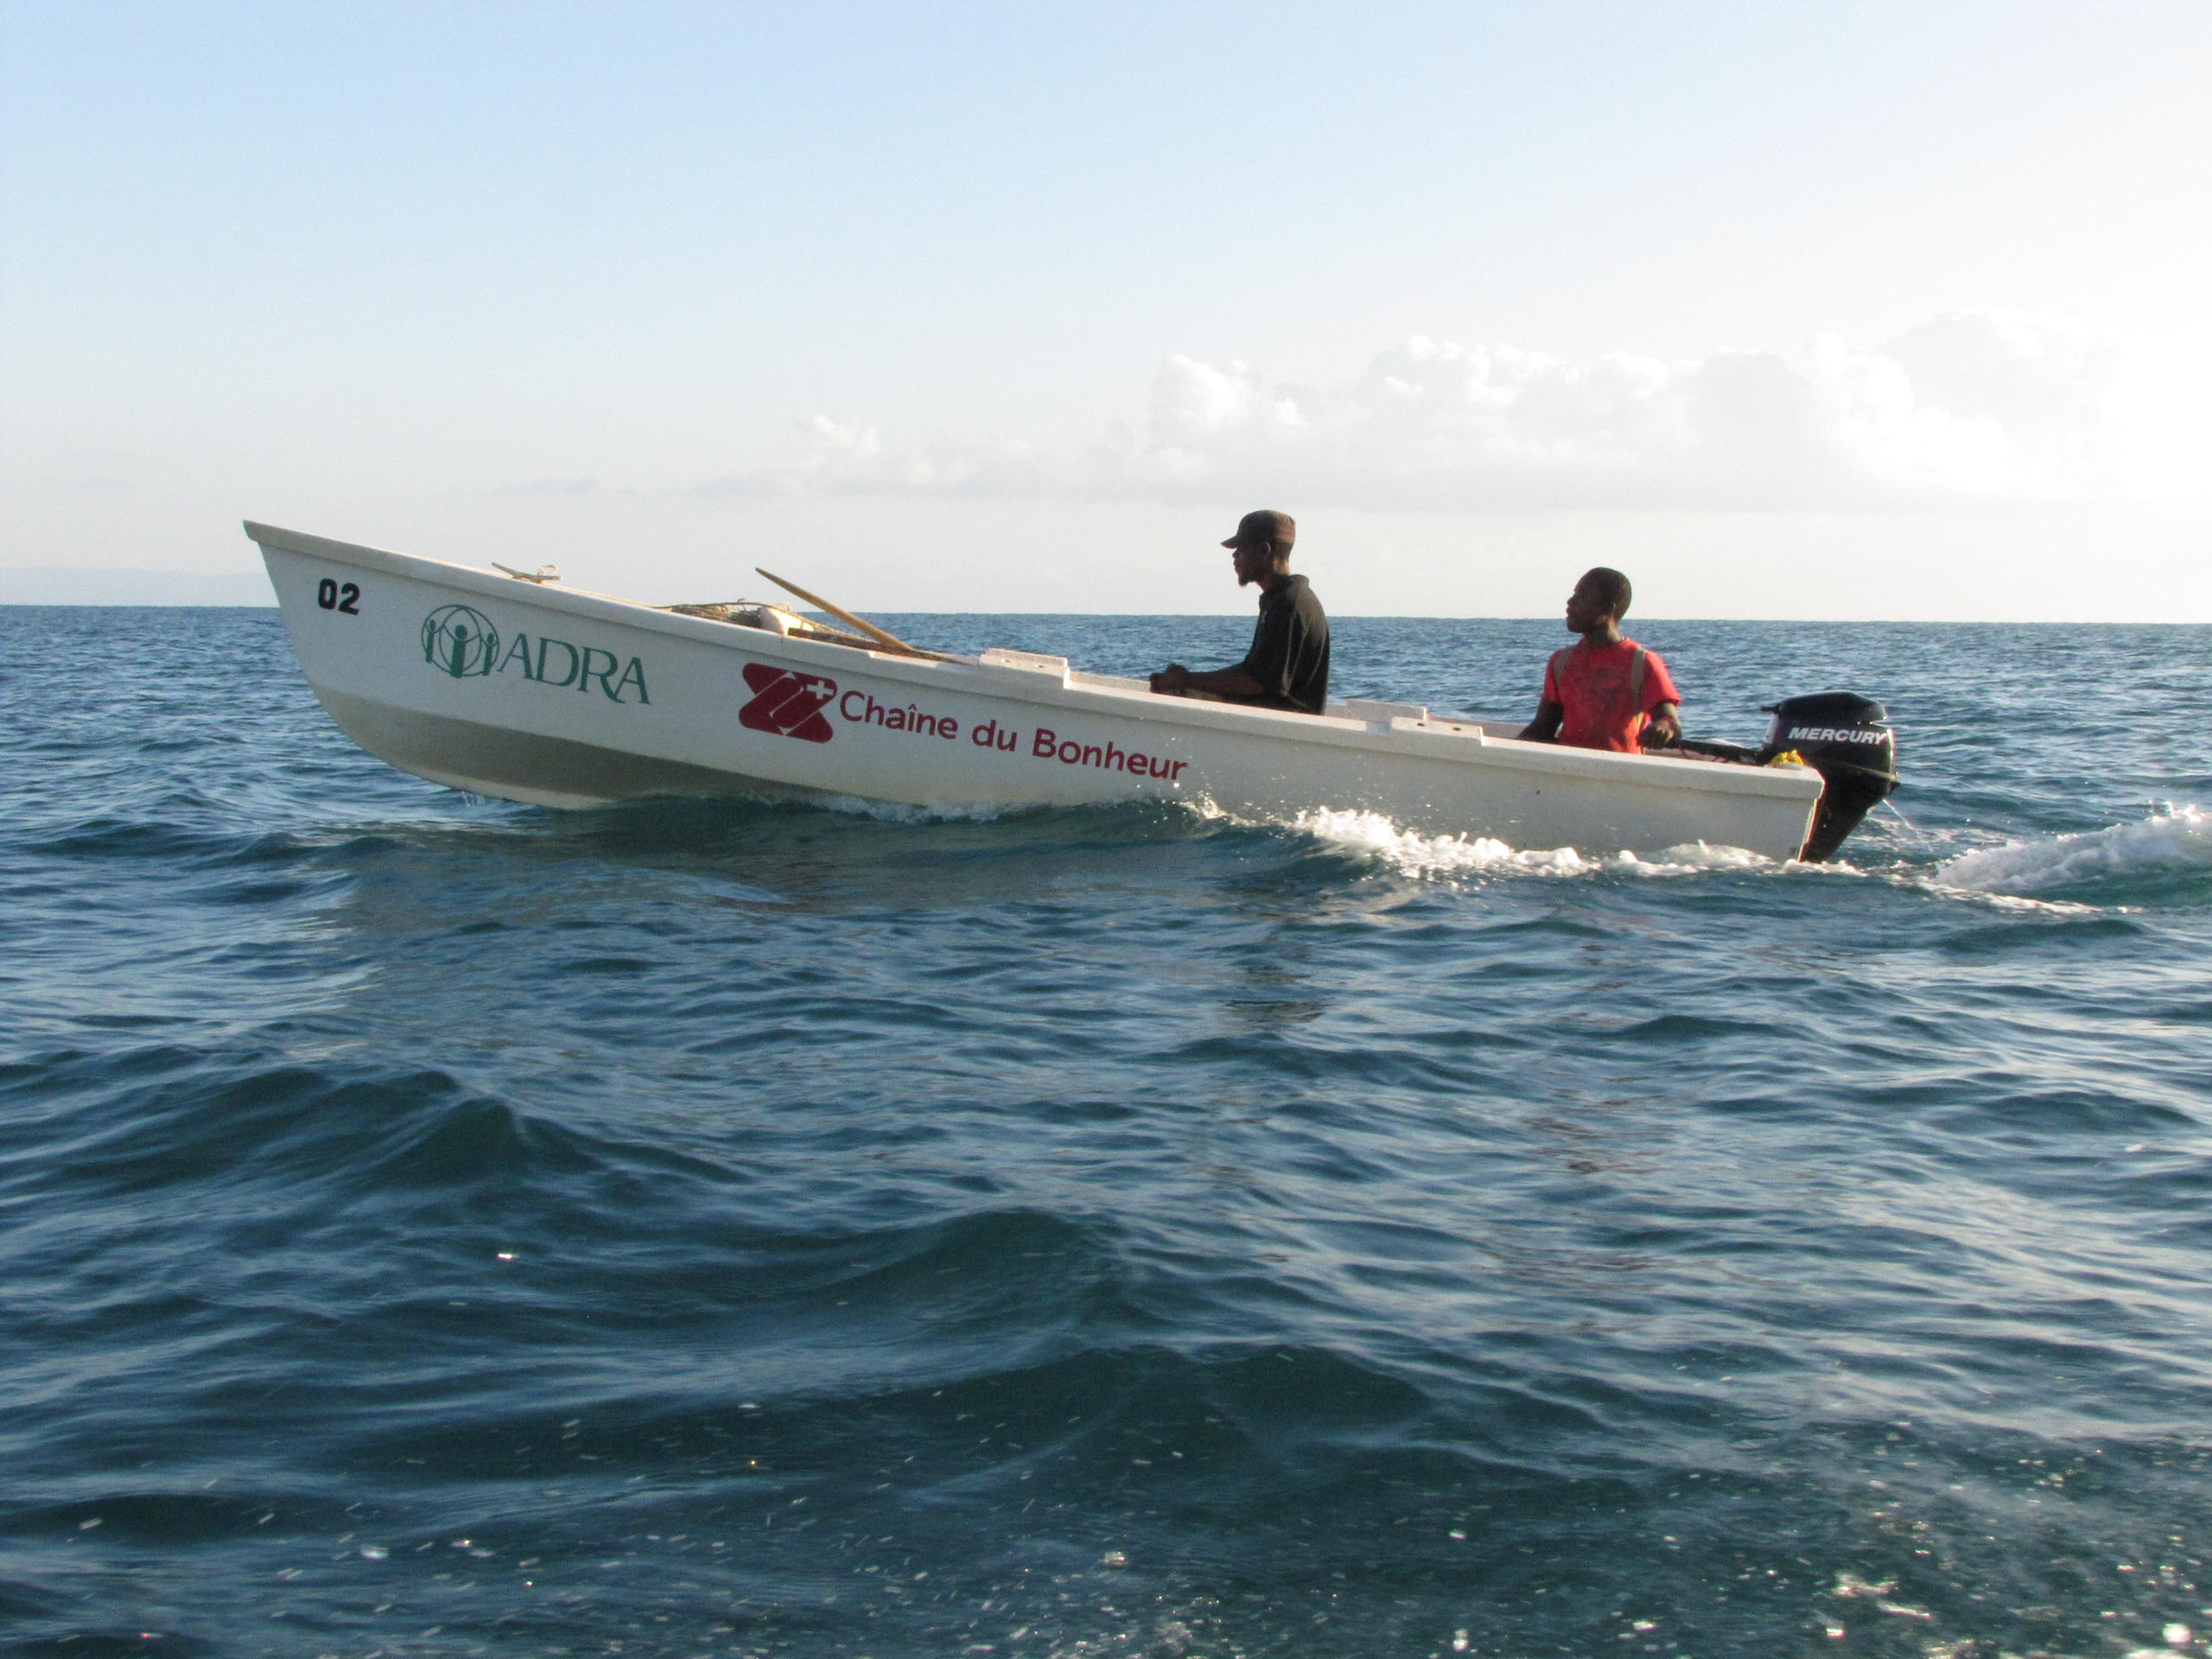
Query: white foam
(899, 813)
(1410, 852)
(2179, 839)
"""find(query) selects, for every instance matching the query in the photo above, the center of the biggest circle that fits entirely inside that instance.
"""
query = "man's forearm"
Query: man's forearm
(1226, 683)
(1545, 726)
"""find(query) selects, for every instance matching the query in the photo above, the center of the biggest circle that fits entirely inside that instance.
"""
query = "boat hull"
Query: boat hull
(559, 698)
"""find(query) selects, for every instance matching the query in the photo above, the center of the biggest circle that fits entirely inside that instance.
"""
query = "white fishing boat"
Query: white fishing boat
(511, 685)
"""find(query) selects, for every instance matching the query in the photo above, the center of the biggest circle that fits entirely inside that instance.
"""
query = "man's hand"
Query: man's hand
(1664, 729)
(1171, 681)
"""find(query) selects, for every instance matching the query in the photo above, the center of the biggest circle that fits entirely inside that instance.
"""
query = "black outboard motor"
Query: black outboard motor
(1846, 739)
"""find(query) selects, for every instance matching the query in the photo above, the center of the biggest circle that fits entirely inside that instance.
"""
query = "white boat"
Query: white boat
(516, 687)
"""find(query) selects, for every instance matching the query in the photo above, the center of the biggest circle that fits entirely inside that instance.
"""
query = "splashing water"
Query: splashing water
(2176, 839)
(1372, 835)
(860, 806)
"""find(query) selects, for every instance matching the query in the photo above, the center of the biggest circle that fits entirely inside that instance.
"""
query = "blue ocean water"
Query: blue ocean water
(433, 1226)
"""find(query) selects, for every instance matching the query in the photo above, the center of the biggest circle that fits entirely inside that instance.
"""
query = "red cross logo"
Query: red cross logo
(788, 704)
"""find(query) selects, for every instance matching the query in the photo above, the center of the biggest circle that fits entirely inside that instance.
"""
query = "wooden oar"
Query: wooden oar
(883, 637)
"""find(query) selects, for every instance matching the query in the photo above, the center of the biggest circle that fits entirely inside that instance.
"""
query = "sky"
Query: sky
(1843, 311)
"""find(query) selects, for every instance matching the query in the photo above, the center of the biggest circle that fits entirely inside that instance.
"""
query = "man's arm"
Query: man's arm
(1175, 679)
(1544, 728)
(1665, 728)
(1262, 676)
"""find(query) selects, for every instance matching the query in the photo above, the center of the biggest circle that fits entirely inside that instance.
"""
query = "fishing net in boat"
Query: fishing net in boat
(773, 619)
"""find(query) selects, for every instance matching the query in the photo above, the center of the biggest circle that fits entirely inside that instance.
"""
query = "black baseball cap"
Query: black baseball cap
(1264, 526)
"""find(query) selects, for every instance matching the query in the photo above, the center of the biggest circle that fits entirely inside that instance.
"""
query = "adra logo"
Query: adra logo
(460, 640)
(462, 643)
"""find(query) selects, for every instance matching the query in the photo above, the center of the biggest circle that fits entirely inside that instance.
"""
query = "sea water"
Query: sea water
(436, 1226)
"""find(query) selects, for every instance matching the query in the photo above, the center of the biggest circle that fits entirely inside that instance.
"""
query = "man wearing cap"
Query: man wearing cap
(1287, 666)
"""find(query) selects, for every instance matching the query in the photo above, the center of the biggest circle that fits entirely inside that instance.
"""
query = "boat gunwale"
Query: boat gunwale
(1454, 743)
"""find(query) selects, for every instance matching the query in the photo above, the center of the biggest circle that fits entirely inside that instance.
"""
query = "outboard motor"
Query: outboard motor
(1846, 739)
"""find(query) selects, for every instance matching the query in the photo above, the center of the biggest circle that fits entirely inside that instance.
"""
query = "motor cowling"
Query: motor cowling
(1848, 740)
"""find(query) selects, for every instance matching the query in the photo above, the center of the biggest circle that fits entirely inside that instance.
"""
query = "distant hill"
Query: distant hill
(51, 585)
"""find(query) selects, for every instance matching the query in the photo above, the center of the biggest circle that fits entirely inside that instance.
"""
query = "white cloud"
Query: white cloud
(554, 486)
(1972, 408)
(832, 457)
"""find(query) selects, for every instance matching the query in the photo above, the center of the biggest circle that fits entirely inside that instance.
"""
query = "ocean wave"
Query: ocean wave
(169, 841)
(173, 1116)
(2175, 841)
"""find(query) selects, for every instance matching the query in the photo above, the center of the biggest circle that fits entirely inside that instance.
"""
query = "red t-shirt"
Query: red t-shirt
(1591, 683)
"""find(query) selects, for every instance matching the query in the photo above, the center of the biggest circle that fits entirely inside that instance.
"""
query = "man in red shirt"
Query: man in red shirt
(1607, 692)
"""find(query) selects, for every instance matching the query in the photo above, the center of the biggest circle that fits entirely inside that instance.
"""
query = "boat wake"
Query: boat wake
(2176, 842)
(1373, 836)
